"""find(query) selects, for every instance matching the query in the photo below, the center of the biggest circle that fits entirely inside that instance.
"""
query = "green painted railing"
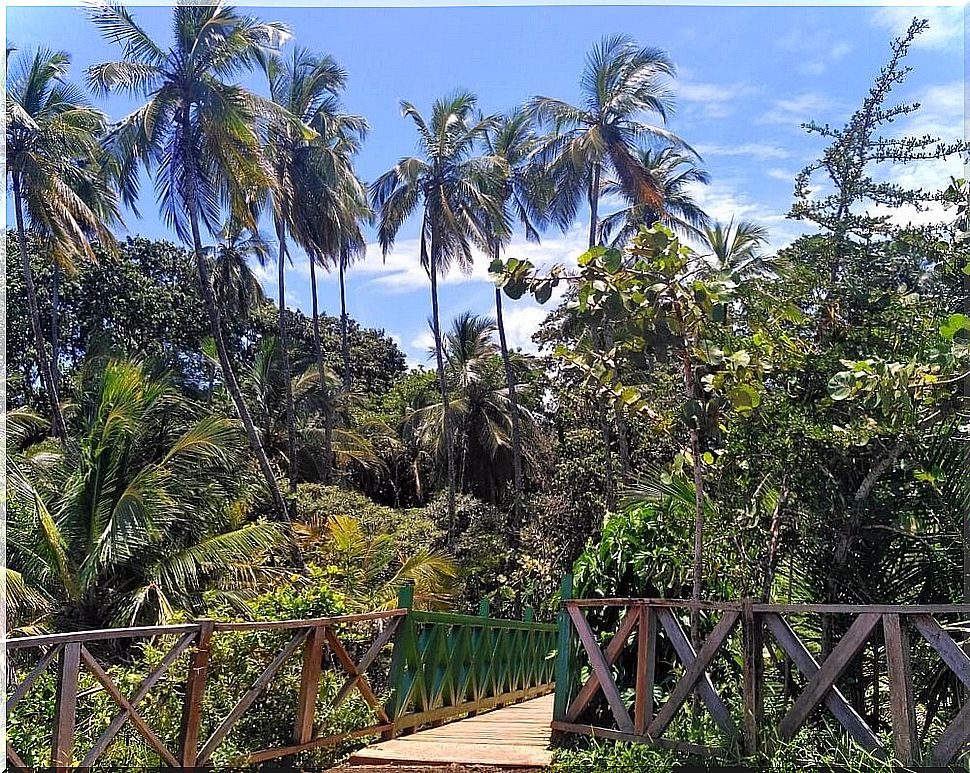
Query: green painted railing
(447, 665)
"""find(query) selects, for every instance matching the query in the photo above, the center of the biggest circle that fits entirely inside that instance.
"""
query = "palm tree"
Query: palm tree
(621, 83)
(523, 193)
(315, 182)
(302, 87)
(452, 186)
(140, 514)
(60, 184)
(198, 133)
(480, 406)
(237, 288)
(735, 248)
(674, 172)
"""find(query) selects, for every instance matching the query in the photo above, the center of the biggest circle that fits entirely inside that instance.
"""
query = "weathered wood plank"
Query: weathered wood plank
(306, 701)
(118, 722)
(824, 679)
(65, 708)
(646, 670)
(350, 667)
(705, 688)
(29, 680)
(602, 671)
(116, 695)
(695, 671)
(331, 740)
(15, 758)
(272, 625)
(834, 699)
(194, 690)
(613, 650)
(946, 648)
(369, 657)
(76, 637)
(900, 688)
(250, 695)
(753, 677)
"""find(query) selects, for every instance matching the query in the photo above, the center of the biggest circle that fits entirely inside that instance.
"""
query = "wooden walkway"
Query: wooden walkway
(514, 737)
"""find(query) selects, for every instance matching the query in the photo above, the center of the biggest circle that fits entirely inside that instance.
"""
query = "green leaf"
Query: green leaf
(543, 292)
(954, 325)
(744, 398)
(496, 266)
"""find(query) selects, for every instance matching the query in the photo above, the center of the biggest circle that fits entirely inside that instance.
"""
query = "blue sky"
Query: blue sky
(747, 77)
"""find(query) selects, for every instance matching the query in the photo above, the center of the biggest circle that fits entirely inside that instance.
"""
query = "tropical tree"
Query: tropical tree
(675, 173)
(523, 193)
(198, 134)
(735, 247)
(237, 288)
(621, 84)
(480, 406)
(314, 179)
(453, 187)
(138, 515)
(60, 184)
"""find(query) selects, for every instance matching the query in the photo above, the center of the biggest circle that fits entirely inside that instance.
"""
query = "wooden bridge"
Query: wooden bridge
(477, 690)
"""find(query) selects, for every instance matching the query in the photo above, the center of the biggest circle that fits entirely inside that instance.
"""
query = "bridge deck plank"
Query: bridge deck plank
(515, 736)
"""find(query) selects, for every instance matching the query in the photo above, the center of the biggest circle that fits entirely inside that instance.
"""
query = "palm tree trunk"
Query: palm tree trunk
(514, 404)
(344, 333)
(215, 322)
(285, 358)
(594, 197)
(43, 363)
(442, 383)
(56, 325)
(695, 451)
(328, 409)
(966, 514)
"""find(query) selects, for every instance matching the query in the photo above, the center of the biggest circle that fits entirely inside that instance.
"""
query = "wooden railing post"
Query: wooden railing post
(752, 628)
(65, 711)
(564, 657)
(395, 679)
(309, 685)
(194, 691)
(900, 688)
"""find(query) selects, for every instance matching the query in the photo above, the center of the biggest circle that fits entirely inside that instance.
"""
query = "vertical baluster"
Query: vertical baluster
(309, 685)
(65, 711)
(752, 627)
(194, 690)
(900, 688)
(646, 669)
(564, 659)
(405, 633)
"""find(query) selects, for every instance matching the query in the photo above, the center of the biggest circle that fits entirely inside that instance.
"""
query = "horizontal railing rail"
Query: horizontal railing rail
(649, 655)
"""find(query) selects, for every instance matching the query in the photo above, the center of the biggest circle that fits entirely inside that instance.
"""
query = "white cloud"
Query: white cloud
(723, 203)
(946, 23)
(758, 150)
(795, 111)
(521, 322)
(402, 272)
(776, 173)
(712, 100)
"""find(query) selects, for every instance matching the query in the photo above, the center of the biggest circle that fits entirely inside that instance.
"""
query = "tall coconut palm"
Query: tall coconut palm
(523, 193)
(198, 134)
(60, 186)
(313, 172)
(674, 172)
(302, 87)
(238, 290)
(452, 186)
(622, 83)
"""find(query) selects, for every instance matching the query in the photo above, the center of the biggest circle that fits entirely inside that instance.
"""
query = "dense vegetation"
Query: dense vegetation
(707, 417)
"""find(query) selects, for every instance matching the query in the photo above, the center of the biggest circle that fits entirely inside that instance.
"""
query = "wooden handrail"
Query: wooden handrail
(629, 662)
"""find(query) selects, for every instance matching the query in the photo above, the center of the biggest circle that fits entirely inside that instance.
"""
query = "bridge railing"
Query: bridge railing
(405, 667)
(448, 665)
(762, 674)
